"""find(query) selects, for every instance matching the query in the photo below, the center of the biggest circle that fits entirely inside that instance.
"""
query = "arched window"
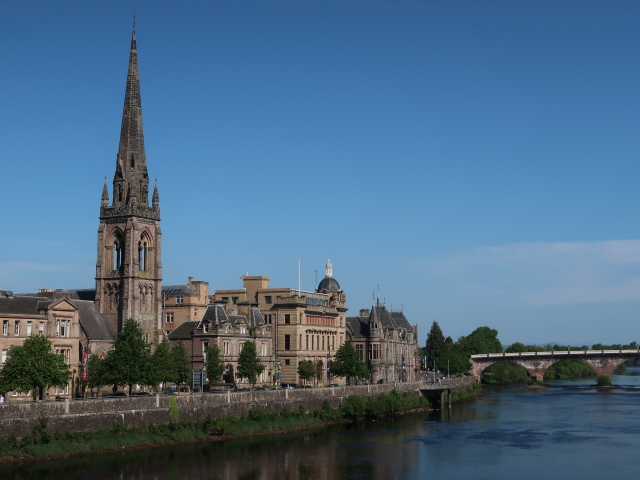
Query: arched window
(142, 255)
(118, 252)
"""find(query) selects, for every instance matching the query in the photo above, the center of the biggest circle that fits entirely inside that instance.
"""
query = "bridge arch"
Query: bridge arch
(602, 362)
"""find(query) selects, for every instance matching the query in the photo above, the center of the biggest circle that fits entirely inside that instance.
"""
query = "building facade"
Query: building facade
(75, 328)
(228, 332)
(387, 343)
(184, 303)
(303, 325)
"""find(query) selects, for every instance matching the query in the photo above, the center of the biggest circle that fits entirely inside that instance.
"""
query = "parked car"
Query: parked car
(290, 385)
(141, 394)
(275, 388)
(117, 394)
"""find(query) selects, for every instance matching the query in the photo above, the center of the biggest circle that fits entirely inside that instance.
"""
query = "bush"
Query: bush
(604, 381)
(353, 407)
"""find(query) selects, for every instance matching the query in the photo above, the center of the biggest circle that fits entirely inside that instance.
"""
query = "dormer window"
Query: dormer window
(179, 300)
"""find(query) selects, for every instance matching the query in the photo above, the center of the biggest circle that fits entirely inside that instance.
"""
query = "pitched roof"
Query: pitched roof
(183, 332)
(94, 324)
(22, 304)
(358, 326)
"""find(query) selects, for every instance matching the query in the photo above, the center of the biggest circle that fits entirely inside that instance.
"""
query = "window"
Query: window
(29, 325)
(4, 355)
(287, 342)
(225, 299)
(179, 300)
(205, 327)
(226, 349)
(263, 349)
(65, 353)
(41, 328)
(242, 329)
(195, 312)
(62, 328)
(360, 351)
(168, 317)
(374, 351)
(287, 362)
(17, 328)
(234, 300)
(287, 318)
(205, 347)
(5, 327)
(267, 299)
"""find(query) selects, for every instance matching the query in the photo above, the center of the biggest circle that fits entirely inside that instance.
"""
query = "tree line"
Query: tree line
(446, 355)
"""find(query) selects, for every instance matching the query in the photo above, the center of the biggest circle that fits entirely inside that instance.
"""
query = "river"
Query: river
(566, 430)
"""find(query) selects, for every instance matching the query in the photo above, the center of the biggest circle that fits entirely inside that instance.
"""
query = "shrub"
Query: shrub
(353, 407)
(604, 381)
(175, 410)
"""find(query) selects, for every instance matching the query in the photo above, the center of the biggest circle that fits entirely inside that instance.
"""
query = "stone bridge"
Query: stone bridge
(603, 362)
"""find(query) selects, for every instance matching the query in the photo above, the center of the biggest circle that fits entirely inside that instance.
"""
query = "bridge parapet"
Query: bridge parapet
(603, 362)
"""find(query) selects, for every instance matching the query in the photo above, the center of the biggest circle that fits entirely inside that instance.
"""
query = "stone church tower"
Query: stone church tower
(129, 269)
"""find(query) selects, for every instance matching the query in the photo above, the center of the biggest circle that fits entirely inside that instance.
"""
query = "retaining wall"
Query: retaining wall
(88, 415)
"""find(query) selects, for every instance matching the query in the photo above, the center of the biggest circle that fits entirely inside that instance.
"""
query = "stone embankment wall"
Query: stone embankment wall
(85, 415)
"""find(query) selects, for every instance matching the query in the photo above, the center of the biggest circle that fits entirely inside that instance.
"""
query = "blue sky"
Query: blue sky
(474, 162)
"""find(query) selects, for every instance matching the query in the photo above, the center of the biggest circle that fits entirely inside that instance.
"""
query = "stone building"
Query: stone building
(129, 269)
(184, 303)
(229, 332)
(386, 342)
(74, 326)
(304, 325)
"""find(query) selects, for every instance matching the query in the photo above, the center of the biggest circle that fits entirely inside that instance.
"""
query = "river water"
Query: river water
(566, 430)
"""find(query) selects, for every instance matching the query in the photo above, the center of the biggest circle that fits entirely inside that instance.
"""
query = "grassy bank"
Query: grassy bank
(41, 443)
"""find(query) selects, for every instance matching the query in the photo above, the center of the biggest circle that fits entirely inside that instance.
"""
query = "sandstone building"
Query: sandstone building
(386, 342)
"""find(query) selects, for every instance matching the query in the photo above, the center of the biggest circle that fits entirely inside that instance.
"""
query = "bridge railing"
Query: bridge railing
(558, 353)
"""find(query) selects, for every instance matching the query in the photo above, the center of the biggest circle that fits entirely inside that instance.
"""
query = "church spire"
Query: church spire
(105, 194)
(131, 180)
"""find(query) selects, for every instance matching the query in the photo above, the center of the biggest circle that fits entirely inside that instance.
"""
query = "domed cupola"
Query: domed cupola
(328, 283)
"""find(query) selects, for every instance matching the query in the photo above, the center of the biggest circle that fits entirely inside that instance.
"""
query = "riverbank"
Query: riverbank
(41, 443)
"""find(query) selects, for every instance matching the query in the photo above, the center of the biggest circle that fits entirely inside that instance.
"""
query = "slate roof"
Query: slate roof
(183, 331)
(22, 304)
(216, 314)
(359, 327)
(93, 323)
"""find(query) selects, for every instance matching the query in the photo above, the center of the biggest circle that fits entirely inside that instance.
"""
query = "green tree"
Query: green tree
(33, 367)
(346, 363)
(454, 359)
(130, 361)
(249, 365)
(215, 365)
(96, 376)
(163, 366)
(182, 367)
(435, 347)
(481, 340)
(306, 369)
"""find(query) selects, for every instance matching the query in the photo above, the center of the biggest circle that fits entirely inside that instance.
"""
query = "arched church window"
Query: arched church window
(117, 253)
